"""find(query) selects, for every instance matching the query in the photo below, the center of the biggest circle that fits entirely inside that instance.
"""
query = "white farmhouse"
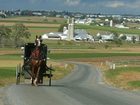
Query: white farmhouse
(121, 26)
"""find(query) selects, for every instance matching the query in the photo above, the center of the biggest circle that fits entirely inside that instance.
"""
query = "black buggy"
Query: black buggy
(25, 69)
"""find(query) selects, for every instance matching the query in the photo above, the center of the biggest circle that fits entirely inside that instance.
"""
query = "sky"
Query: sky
(88, 6)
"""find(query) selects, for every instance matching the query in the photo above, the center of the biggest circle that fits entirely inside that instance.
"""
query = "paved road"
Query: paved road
(83, 86)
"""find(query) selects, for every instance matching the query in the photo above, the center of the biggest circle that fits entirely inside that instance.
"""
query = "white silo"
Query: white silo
(111, 23)
(71, 29)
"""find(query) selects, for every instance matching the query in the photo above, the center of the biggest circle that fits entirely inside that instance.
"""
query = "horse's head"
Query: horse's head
(37, 42)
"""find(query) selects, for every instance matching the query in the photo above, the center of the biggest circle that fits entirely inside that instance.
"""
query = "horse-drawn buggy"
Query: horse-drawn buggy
(34, 64)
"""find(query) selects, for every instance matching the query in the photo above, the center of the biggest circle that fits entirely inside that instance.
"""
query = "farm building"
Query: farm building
(79, 34)
(55, 36)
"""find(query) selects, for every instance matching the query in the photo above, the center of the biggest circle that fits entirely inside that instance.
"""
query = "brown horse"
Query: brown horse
(35, 60)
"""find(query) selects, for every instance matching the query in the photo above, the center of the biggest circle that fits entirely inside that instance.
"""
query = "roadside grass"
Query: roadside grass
(10, 57)
(135, 84)
(61, 71)
(113, 73)
(7, 75)
(7, 72)
(124, 77)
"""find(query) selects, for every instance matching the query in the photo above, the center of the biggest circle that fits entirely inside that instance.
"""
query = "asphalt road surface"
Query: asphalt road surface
(83, 86)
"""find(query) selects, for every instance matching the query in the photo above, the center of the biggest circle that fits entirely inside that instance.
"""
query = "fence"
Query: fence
(123, 63)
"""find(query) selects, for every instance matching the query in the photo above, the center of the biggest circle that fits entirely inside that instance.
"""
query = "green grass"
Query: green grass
(7, 72)
(71, 55)
(26, 21)
(110, 29)
(7, 75)
(111, 74)
(60, 71)
(135, 84)
(88, 55)
(10, 57)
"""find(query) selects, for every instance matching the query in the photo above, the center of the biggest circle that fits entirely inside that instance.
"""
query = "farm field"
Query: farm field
(34, 19)
(60, 51)
(108, 29)
(31, 24)
(11, 58)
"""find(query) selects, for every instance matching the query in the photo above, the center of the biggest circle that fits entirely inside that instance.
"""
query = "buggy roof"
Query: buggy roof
(29, 47)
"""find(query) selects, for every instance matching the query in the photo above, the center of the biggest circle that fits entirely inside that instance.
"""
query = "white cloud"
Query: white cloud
(134, 5)
(72, 2)
(115, 4)
(124, 4)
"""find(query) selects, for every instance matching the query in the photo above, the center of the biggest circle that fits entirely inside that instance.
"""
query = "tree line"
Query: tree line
(13, 36)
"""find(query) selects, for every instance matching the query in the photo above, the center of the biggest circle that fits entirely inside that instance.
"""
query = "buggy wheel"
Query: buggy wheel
(18, 74)
(50, 78)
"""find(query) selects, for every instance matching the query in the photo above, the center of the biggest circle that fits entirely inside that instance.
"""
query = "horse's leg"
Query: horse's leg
(37, 74)
(38, 80)
(40, 76)
(32, 76)
(35, 80)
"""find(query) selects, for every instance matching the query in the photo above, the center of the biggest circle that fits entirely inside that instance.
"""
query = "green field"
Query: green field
(124, 77)
(6, 72)
(57, 56)
(90, 55)
(109, 29)
(113, 73)
(10, 57)
(34, 19)
(7, 75)
(135, 84)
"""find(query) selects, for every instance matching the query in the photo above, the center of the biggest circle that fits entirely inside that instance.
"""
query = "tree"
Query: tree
(133, 39)
(123, 37)
(117, 41)
(20, 32)
(4, 33)
(61, 27)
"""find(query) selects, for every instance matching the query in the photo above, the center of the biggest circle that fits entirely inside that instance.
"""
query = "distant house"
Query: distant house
(107, 37)
(37, 14)
(104, 37)
(129, 37)
(80, 21)
(55, 36)
(52, 35)
(84, 21)
(121, 26)
(81, 34)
